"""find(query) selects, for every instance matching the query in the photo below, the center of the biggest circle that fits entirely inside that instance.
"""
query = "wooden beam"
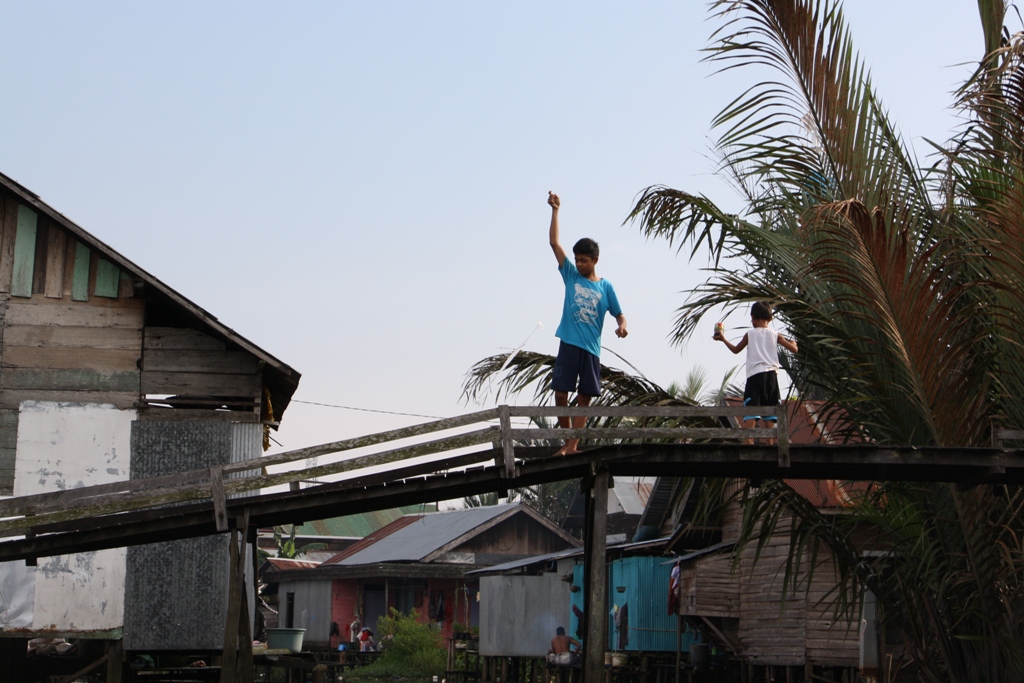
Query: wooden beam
(507, 446)
(596, 570)
(220, 511)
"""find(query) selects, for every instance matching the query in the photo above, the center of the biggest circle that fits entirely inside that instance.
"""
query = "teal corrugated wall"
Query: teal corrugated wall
(645, 580)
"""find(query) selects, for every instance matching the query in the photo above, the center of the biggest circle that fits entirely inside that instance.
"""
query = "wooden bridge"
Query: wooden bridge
(204, 502)
(486, 453)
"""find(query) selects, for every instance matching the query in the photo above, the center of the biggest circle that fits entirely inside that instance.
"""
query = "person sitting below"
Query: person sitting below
(561, 652)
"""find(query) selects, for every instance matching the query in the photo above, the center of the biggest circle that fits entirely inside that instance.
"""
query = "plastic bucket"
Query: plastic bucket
(285, 639)
(699, 654)
(620, 659)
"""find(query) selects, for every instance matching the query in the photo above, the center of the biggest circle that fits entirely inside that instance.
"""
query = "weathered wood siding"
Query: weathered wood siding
(708, 588)
(187, 362)
(518, 536)
(66, 335)
(830, 641)
(773, 628)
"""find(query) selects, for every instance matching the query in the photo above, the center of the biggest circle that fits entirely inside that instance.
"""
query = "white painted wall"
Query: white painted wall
(65, 446)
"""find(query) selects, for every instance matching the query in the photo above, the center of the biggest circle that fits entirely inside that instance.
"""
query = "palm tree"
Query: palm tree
(902, 284)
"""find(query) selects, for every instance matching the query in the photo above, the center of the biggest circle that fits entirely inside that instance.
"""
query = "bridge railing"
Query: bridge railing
(23, 514)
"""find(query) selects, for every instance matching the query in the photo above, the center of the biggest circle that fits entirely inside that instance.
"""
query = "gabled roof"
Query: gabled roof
(425, 537)
(280, 378)
(362, 524)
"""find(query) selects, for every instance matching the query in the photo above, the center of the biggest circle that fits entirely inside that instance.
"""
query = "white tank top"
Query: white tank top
(762, 350)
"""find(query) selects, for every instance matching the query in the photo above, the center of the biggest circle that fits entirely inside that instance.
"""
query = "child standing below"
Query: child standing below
(587, 299)
(762, 345)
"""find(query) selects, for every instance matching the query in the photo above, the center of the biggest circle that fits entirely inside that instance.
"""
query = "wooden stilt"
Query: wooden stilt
(115, 661)
(229, 662)
(596, 570)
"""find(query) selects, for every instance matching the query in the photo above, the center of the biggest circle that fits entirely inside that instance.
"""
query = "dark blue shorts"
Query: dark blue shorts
(574, 363)
(762, 390)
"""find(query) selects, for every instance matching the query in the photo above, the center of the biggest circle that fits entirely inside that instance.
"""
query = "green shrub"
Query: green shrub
(409, 649)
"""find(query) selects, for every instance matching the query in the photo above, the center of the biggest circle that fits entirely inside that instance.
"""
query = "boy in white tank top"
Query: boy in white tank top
(762, 345)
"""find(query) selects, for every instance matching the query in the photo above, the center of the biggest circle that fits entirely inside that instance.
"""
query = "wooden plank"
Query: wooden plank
(70, 246)
(43, 229)
(508, 448)
(126, 286)
(70, 337)
(70, 380)
(9, 225)
(70, 359)
(628, 411)
(157, 338)
(77, 504)
(201, 384)
(11, 399)
(99, 314)
(643, 433)
(220, 510)
(165, 414)
(55, 263)
(80, 280)
(24, 252)
(108, 279)
(189, 360)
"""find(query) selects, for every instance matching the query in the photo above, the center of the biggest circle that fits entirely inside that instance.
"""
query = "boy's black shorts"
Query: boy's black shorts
(573, 362)
(762, 390)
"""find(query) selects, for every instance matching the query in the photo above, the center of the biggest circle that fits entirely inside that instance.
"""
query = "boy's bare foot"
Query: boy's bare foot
(566, 450)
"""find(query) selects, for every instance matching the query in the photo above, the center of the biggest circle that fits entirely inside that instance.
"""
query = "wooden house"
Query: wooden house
(741, 603)
(418, 562)
(107, 374)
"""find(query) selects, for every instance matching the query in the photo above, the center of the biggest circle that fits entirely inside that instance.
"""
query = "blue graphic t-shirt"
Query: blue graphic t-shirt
(583, 311)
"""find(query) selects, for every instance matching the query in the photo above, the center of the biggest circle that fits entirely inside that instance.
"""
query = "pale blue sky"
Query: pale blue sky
(359, 188)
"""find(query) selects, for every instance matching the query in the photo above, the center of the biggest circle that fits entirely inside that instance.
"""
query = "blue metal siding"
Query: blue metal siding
(651, 627)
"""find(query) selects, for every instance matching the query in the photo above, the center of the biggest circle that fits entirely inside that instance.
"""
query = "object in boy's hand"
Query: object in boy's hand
(719, 330)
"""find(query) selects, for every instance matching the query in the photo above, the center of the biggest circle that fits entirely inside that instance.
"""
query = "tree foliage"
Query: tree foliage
(902, 283)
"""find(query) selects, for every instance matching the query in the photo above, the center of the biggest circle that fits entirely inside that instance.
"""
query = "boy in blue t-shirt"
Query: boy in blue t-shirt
(587, 299)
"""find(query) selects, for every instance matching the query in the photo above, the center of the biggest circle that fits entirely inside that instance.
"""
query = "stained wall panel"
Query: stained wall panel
(64, 446)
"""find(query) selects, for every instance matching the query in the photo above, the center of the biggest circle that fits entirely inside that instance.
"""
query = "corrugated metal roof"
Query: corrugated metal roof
(571, 552)
(413, 537)
(285, 564)
(361, 525)
(359, 546)
(633, 492)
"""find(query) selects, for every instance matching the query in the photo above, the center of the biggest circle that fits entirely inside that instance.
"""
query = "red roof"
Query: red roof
(809, 424)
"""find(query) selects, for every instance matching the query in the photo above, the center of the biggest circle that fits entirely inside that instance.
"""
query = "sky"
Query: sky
(360, 188)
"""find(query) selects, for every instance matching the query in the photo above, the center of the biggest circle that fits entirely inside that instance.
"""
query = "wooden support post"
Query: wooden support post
(220, 510)
(229, 655)
(596, 570)
(505, 424)
(782, 436)
(115, 661)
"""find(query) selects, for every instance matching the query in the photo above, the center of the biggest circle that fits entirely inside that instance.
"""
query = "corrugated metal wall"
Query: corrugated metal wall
(519, 614)
(312, 609)
(176, 592)
(645, 582)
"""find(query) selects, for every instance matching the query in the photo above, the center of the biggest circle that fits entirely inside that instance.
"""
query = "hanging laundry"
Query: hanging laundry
(673, 590)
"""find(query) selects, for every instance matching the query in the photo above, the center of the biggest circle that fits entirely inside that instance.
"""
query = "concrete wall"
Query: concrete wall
(62, 446)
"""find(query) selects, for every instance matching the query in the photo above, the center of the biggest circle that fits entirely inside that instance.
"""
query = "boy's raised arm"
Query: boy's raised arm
(554, 202)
